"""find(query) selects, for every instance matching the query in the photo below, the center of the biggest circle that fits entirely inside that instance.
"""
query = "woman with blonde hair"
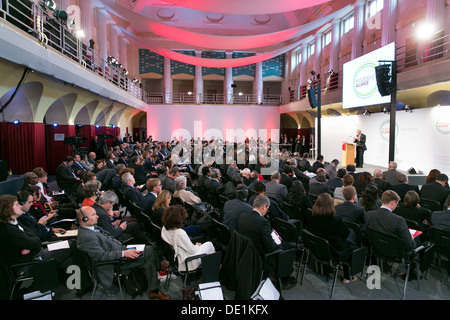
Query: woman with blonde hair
(162, 202)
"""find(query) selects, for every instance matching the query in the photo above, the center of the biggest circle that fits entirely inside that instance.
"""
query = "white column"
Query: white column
(318, 52)
(167, 81)
(388, 22)
(287, 76)
(114, 43)
(335, 44)
(258, 83)
(304, 64)
(198, 80)
(228, 90)
(358, 29)
(86, 19)
(122, 52)
(101, 37)
(435, 14)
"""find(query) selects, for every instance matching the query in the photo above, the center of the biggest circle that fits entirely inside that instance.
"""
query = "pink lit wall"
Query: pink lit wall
(232, 123)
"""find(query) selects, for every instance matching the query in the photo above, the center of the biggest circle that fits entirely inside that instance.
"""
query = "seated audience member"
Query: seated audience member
(245, 175)
(29, 179)
(101, 246)
(347, 180)
(153, 187)
(92, 192)
(173, 233)
(314, 179)
(391, 174)
(38, 227)
(287, 176)
(304, 163)
(410, 209)
(204, 176)
(403, 186)
(383, 220)
(441, 219)
(91, 159)
(185, 195)
(431, 177)
(18, 244)
(364, 178)
(98, 166)
(119, 229)
(84, 161)
(233, 208)
(254, 178)
(320, 185)
(436, 190)
(256, 227)
(111, 160)
(141, 174)
(337, 182)
(318, 163)
(162, 202)
(382, 185)
(275, 210)
(298, 197)
(370, 199)
(348, 210)
(130, 192)
(77, 167)
(116, 181)
(169, 182)
(37, 209)
(331, 169)
(326, 224)
(229, 188)
(275, 190)
(66, 177)
(80, 195)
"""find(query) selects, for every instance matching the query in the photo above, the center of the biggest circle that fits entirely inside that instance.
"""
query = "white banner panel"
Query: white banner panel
(422, 138)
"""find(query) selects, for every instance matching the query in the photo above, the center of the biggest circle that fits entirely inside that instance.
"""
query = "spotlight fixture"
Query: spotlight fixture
(80, 33)
(408, 108)
(366, 113)
(16, 122)
(97, 126)
(55, 124)
(190, 93)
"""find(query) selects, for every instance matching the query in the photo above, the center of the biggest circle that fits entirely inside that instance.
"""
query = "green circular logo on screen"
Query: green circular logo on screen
(365, 82)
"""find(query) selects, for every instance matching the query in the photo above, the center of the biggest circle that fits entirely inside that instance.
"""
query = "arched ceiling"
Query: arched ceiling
(260, 26)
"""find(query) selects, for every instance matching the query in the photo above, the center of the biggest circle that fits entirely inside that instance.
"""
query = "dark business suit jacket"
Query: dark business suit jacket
(434, 191)
(317, 188)
(232, 210)
(391, 176)
(147, 203)
(257, 228)
(403, 188)
(132, 194)
(13, 241)
(350, 211)
(66, 178)
(441, 219)
(384, 221)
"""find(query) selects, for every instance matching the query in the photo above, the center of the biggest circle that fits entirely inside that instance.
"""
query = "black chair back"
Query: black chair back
(441, 238)
(387, 247)
(318, 247)
(431, 205)
(293, 212)
(287, 231)
(222, 233)
(211, 267)
(357, 229)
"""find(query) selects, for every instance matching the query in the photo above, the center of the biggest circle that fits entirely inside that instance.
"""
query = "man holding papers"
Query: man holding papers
(101, 246)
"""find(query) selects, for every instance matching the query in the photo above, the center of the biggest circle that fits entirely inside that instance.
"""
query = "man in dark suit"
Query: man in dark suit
(286, 176)
(141, 174)
(154, 187)
(253, 225)
(436, 190)
(337, 182)
(391, 174)
(129, 191)
(205, 176)
(441, 219)
(385, 221)
(76, 166)
(403, 186)
(65, 177)
(348, 209)
(110, 160)
(360, 141)
(320, 186)
(101, 246)
(276, 190)
(382, 185)
(318, 163)
(233, 209)
(304, 163)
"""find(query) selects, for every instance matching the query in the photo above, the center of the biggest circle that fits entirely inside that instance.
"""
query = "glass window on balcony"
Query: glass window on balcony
(348, 23)
(311, 48)
(327, 38)
(374, 7)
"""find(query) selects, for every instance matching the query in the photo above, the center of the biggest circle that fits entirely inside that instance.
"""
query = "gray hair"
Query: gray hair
(91, 187)
(260, 201)
(215, 173)
(108, 196)
(179, 182)
(126, 177)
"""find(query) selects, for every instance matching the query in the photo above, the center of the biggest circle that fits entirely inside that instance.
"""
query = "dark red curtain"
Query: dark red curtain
(22, 146)
(57, 150)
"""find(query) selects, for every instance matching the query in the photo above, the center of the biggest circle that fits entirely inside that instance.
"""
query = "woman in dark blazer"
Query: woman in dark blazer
(324, 223)
(411, 210)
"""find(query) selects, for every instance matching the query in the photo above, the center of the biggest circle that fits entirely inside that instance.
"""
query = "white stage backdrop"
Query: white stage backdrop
(230, 122)
(422, 138)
